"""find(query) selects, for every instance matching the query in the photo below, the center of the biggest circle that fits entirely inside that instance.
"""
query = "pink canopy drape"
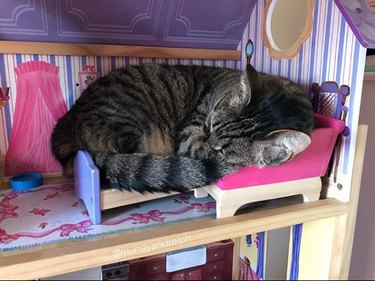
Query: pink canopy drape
(39, 105)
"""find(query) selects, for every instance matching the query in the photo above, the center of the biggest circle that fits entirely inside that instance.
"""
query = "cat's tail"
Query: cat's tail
(153, 173)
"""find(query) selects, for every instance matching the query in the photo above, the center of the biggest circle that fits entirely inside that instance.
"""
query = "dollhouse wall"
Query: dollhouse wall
(332, 52)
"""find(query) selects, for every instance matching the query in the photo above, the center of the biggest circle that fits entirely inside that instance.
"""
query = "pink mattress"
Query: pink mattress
(312, 162)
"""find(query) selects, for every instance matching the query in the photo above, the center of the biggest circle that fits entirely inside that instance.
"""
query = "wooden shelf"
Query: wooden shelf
(69, 256)
(70, 49)
(58, 258)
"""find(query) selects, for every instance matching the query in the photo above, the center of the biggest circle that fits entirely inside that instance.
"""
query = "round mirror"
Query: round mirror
(371, 5)
(287, 25)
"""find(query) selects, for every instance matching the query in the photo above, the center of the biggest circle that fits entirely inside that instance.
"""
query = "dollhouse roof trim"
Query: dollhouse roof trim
(177, 24)
(180, 23)
(361, 20)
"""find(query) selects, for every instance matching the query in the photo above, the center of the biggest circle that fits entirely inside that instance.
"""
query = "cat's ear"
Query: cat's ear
(254, 78)
(294, 141)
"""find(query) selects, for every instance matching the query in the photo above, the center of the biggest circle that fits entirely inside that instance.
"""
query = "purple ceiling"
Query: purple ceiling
(360, 15)
(217, 24)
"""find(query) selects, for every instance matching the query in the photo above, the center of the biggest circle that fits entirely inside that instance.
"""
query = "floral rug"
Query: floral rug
(52, 213)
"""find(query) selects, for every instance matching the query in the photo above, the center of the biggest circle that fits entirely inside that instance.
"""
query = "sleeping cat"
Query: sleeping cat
(162, 128)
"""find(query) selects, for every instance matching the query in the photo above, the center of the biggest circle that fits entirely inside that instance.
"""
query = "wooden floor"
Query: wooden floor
(49, 260)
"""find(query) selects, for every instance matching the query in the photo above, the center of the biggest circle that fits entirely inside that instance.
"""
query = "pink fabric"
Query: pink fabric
(39, 105)
(312, 162)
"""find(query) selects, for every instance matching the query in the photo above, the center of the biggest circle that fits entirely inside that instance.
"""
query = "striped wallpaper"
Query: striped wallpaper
(330, 53)
(69, 68)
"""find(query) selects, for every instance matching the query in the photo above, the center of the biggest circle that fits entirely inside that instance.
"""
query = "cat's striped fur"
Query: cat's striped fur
(156, 127)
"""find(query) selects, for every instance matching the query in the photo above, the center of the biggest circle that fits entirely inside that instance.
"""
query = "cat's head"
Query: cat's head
(272, 128)
(239, 147)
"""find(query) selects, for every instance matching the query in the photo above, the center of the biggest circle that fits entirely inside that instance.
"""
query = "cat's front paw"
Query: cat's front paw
(282, 146)
(276, 155)
(203, 151)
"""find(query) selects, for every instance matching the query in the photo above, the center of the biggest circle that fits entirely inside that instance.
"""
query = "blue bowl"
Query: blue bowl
(26, 181)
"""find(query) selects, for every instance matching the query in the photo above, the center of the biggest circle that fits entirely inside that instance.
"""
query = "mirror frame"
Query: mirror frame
(292, 51)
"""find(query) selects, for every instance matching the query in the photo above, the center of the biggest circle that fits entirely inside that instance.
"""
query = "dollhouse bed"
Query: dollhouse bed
(302, 175)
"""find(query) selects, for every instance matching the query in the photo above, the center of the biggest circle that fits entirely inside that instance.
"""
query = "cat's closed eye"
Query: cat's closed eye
(219, 149)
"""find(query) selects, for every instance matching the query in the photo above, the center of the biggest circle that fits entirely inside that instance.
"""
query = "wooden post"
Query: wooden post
(344, 225)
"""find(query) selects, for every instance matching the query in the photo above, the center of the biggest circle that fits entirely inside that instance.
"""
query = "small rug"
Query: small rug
(52, 213)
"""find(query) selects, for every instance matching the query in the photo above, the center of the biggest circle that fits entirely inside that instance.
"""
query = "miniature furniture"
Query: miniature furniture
(217, 267)
(329, 99)
(298, 176)
(302, 175)
(115, 271)
(97, 199)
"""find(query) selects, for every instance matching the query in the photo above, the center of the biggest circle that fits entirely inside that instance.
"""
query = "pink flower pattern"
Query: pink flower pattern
(6, 238)
(50, 196)
(154, 215)
(40, 212)
(6, 213)
(71, 229)
(182, 199)
(81, 227)
(7, 210)
(204, 207)
(43, 224)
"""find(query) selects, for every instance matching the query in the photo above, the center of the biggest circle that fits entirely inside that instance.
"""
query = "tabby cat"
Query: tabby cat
(162, 128)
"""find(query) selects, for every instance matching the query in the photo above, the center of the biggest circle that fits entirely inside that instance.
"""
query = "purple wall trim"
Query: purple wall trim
(21, 17)
(169, 23)
(360, 19)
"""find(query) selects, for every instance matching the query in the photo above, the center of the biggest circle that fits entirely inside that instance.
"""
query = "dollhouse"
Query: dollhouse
(51, 50)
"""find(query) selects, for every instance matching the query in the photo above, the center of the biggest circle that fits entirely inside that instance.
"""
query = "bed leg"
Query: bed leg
(200, 193)
(225, 209)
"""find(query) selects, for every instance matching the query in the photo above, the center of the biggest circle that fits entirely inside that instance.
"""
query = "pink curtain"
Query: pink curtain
(39, 105)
